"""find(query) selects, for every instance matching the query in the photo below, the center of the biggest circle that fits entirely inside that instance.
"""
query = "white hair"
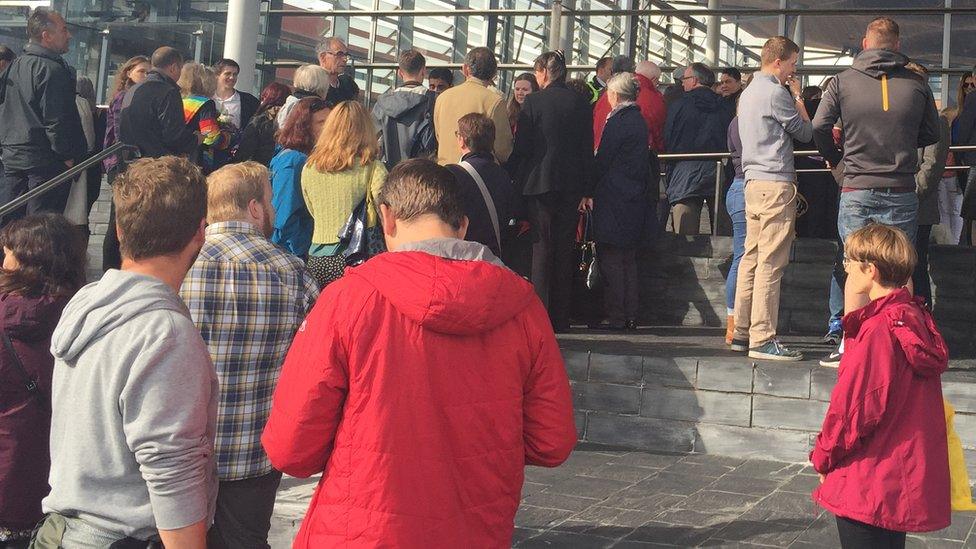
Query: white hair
(625, 85)
(649, 70)
(314, 79)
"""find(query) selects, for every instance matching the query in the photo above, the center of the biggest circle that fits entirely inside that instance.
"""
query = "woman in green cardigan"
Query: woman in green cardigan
(342, 170)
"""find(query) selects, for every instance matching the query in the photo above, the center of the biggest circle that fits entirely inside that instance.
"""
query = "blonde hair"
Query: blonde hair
(197, 79)
(887, 248)
(348, 139)
(231, 188)
(312, 78)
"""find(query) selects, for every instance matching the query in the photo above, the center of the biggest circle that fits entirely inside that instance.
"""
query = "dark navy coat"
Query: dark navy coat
(622, 207)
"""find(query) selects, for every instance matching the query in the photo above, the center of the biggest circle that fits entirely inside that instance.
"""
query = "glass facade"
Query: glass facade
(107, 32)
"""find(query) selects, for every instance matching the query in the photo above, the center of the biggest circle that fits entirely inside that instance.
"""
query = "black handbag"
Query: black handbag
(589, 265)
(360, 241)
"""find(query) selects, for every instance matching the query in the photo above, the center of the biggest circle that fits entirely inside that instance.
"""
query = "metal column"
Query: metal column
(712, 33)
(103, 59)
(241, 38)
(555, 25)
(783, 22)
(566, 30)
(800, 37)
(946, 52)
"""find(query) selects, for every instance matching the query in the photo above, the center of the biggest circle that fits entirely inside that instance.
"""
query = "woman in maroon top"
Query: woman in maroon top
(43, 266)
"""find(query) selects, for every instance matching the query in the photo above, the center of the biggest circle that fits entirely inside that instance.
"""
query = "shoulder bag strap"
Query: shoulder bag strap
(488, 201)
(32, 387)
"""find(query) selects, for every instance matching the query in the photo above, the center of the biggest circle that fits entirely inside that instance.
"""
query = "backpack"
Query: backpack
(423, 142)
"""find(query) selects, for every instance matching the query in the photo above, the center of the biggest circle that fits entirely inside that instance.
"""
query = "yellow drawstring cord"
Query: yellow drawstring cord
(884, 92)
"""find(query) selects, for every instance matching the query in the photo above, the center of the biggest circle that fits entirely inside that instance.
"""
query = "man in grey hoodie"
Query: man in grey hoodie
(404, 115)
(888, 113)
(134, 401)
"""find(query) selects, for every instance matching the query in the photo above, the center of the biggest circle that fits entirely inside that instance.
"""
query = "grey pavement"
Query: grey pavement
(606, 497)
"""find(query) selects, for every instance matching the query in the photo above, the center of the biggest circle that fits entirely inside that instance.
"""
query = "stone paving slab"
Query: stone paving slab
(607, 497)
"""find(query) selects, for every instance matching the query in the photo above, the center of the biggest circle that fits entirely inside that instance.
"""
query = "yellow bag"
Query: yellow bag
(960, 492)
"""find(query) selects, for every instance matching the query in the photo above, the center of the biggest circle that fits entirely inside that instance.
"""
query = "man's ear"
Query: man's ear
(254, 208)
(201, 235)
(463, 229)
(388, 220)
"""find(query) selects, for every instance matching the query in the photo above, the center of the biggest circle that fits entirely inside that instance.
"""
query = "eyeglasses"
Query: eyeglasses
(338, 53)
(968, 85)
(848, 261)
(683, 78)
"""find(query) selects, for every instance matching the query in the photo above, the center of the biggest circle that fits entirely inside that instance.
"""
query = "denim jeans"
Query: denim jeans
(735, 204)
(858, 209)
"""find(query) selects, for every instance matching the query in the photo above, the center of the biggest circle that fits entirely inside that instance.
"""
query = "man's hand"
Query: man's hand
(523, 227)
(69, 163)
(822, 478)
(794, 86)
(585, 204)
(191, 537)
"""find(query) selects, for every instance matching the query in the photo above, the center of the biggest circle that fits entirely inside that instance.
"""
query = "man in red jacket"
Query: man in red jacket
(421, 384)
(651, 104)
(882, 452)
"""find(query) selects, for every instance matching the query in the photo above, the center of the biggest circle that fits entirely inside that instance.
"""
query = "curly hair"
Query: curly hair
(296, 134)
(50, 254)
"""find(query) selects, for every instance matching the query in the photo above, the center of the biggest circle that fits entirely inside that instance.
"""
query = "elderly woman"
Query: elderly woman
(622, 205)
(309, 81)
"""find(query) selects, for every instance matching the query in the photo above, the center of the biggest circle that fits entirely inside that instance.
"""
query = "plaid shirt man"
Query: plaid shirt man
(248, 297)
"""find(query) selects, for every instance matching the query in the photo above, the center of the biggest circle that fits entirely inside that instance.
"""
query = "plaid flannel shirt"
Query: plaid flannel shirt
(248, 297)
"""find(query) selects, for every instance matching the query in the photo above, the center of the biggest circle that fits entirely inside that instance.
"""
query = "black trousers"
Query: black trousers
(858, 535)
(920, 278)
(554, 218)
(111, 257)
(619, 268)
(243, 516)
(17, 182)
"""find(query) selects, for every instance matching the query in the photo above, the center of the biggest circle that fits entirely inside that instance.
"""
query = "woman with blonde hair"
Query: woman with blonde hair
(309, 81)
(343, 170)
(197, 84)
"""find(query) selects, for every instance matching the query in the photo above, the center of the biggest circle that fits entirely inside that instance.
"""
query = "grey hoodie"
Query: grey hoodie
(888, 113)
(135, 407)
(403, 109)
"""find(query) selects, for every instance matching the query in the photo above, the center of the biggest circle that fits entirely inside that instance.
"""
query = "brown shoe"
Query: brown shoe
(729, 329)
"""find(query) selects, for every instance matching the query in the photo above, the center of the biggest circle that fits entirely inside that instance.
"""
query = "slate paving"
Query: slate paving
(609, 497)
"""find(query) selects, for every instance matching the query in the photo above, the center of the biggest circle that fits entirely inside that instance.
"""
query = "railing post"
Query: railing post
(103, 60)
(718, 196)
(555, 24)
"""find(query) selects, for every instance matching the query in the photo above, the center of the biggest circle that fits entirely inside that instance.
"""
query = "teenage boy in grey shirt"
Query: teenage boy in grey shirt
(769, 120)
(134, 403)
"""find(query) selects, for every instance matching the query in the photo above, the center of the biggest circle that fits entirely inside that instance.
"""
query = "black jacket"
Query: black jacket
(888, 113)
(554, 143)
(39, 122)
(346, 90)
(258, 138)
(503, 194)
(249, 107)
(152, 119)
(698, 121)
(622, 202)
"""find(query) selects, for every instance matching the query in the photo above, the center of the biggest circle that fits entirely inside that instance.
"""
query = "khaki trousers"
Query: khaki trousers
(770, 220)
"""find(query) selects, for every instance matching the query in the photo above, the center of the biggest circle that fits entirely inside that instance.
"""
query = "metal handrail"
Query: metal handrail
(62, 177)
(699, 12)
(725, 155)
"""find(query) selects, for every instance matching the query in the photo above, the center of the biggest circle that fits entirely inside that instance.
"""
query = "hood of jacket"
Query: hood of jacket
(913, 329)
(447, 285)
(876, 63)
(102, 306)
(401, 101)
(705, 99)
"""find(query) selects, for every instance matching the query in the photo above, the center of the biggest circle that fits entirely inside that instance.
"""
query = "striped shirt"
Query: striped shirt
(248, 298)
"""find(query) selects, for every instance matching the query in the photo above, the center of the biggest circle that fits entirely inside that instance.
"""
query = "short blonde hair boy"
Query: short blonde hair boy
(887, 248)
(231, 188)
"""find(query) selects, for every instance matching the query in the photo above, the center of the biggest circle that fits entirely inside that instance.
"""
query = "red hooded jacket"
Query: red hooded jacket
(883, 443)
(421, 386)
(652, 108)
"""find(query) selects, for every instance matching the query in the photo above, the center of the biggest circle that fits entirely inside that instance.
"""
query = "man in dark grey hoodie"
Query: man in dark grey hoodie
(134, 402)
(888, 113)
(404, 115)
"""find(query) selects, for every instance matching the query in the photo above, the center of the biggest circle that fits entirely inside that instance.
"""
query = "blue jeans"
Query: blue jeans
(863, 207)
(735, 204)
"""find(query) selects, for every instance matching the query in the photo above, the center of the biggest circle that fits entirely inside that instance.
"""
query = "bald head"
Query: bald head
(649, 70)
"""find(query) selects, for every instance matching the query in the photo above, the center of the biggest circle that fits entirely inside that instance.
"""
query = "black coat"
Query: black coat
(698, 121)
(152, 119)
(623, 206)
(503, 194)
(249, 107)
(554, 143)
(39, 122)
(258, 138)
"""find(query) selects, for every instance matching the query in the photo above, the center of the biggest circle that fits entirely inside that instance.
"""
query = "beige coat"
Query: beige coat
(472, 96)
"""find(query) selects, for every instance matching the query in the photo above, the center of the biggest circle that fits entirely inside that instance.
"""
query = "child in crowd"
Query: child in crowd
(882, 452)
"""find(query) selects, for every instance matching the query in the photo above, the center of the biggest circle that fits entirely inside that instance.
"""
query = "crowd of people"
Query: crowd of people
(251, 322)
